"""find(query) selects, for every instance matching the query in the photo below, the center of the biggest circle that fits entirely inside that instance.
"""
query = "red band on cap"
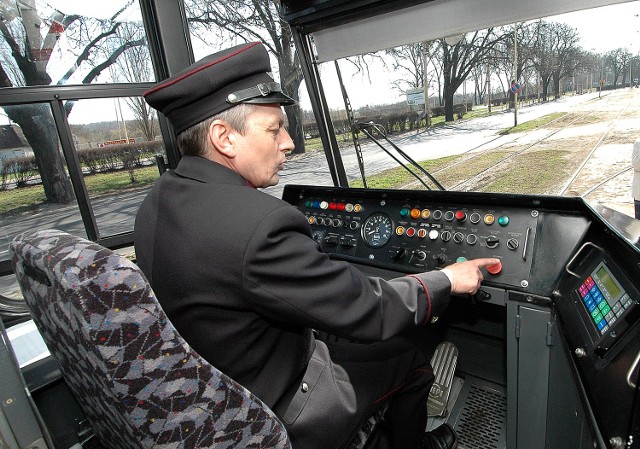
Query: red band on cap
(188, 74)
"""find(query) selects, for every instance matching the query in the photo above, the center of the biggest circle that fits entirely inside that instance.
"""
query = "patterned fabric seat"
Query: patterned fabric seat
(137, 380)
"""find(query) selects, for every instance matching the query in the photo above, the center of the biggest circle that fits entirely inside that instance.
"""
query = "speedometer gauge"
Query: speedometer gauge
(377, 229)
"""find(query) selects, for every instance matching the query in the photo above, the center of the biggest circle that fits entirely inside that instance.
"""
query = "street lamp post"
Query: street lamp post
(515, 74)
(426, 83)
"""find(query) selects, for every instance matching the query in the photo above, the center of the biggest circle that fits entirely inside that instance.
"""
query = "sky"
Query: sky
(601, 30)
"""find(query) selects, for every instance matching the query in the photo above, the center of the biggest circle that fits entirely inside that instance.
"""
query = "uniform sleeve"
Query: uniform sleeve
(289, 279)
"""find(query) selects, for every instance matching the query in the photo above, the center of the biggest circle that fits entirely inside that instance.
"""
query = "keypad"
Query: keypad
(603, 309)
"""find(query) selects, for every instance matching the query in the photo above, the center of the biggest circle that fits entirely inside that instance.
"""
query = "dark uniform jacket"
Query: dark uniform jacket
(237, 272)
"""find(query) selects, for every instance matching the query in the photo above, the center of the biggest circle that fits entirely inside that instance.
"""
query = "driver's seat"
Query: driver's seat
(139, 383)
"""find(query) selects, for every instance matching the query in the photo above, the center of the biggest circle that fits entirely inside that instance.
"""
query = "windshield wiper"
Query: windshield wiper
(367, 126)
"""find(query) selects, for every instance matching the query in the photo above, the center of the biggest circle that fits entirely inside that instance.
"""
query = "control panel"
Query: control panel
(413, 231)
(604, 301)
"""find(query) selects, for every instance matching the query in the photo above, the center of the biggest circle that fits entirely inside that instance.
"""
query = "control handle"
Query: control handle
(575, 256)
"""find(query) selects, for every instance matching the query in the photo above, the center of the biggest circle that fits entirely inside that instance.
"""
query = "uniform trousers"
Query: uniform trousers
(345, 383)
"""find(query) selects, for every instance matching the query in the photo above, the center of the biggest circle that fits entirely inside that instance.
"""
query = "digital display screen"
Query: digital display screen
(607, 282)
(604, 298)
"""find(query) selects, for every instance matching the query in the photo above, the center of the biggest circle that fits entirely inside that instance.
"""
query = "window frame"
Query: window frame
(170, 49)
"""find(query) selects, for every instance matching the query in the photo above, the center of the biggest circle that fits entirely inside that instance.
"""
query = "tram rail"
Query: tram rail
(478, 179)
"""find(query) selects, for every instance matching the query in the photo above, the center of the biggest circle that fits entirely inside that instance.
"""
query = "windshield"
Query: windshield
(548, 106)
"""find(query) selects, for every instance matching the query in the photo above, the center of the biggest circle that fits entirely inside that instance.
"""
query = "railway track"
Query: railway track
(507, 152)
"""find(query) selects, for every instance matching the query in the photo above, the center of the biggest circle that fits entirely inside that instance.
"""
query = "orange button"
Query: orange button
(495, 268)
(415, 213)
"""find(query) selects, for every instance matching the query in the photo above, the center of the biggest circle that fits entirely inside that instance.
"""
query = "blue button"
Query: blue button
(587, 297)
(591, 305)
(602, 324)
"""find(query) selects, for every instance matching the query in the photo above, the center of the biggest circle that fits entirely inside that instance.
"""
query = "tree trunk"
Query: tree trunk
(556, 85)
(296, 130)
(448, 102)
(39, 129)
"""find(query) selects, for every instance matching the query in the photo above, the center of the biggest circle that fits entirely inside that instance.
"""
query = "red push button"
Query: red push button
(461, 216)
(495, 268)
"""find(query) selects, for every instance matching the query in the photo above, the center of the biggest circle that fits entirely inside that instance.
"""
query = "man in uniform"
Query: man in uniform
(240, 277)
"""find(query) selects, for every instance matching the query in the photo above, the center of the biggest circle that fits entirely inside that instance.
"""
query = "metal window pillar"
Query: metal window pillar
(320, 108)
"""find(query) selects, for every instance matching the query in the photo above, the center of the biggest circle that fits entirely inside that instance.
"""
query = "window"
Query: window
(61, 42)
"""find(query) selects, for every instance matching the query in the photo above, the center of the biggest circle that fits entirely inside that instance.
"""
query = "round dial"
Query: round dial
(377, 230)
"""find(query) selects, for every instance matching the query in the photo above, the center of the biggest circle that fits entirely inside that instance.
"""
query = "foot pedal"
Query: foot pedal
(444, 362)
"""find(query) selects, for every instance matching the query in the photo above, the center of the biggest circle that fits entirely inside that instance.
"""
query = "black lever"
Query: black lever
(479, 296)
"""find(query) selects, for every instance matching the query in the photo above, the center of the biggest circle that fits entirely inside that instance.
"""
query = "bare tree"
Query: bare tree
(253, 20)
(618, 62)
(27, 46)
(408, 61)
(459, 60)
(556, 54)
(134, 66)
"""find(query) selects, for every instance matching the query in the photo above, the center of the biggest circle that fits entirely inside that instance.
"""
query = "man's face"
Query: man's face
(261, 149)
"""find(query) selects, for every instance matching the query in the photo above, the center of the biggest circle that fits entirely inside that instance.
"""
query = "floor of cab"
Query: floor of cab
(477, 411)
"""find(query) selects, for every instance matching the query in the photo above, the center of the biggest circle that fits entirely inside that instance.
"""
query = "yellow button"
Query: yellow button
(489, 219)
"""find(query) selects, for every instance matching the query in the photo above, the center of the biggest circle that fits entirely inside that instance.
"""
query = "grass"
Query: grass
(25, 198)
(534, 172)
(106, 183)
(394, 178)
(533, 124)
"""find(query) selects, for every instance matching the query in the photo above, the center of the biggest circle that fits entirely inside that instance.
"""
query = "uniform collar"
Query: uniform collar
(206, 171)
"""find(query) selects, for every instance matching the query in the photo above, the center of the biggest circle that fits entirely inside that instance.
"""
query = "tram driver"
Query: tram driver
(240, 277)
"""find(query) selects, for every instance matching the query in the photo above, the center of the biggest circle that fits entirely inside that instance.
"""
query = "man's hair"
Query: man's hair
(194, 141)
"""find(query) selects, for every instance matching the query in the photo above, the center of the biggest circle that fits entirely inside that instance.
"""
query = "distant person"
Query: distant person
(635, 161)
(239, 275)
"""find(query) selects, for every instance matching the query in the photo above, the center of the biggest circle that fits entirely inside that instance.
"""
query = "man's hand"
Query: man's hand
(466, 276)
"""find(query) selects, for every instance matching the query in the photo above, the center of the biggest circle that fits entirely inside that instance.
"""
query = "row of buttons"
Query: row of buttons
(449, 215)
(332, 222)
(326, 205)
(458, 237)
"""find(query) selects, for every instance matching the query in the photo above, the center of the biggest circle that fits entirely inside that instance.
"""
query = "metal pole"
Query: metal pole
(488, 89)
(515, 74)
(425, 61)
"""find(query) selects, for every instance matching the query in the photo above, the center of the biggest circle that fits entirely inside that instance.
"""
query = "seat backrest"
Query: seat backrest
(137, 380)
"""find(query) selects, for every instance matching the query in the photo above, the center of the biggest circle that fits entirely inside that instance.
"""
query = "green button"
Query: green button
(503, 221)
(602, 305)
(594, 313)
(461, 259)
(606, 309)
(598, 318)
(404, 211)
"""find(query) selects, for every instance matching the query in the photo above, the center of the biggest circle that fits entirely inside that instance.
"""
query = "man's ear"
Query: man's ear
(222, 138)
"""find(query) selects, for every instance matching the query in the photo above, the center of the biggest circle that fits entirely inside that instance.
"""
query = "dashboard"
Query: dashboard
(580, 262)
(410, 231)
